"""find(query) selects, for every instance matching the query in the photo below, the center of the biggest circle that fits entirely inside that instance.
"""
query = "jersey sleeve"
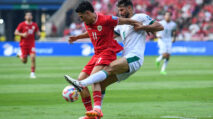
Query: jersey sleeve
(112, 20)
(117, 30)
(175, 27)
(146, 19)
(159, 33)
(19, 28)
(36, 28)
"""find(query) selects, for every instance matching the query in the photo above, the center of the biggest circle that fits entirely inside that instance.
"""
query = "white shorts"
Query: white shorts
(134, 65)
(164, 47)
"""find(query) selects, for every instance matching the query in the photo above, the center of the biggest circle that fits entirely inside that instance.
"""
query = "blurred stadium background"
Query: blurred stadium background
(185, 93)
(57, 20)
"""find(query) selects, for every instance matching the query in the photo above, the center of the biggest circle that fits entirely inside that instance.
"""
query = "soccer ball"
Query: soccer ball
(70, 94)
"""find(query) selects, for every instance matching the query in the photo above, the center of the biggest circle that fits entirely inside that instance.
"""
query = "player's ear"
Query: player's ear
(87, 12)
(129, 7)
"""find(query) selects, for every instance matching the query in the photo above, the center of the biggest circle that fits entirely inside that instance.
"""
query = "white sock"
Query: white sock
(32, 73)
(97, 107)
(164, 65)
(94, 78)
(159, 58)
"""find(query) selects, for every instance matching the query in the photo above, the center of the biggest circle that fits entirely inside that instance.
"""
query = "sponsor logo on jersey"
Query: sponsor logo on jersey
(99, 27)
(148, 17)
(114, 17)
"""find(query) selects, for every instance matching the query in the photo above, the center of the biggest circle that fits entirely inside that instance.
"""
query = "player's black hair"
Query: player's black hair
(124, 3)
(84, 6)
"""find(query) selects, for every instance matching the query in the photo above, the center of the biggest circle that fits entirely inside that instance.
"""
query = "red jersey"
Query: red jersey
(101, 34)
(31, 29)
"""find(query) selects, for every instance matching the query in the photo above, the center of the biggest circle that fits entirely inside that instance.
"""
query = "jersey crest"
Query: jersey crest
(99, 27)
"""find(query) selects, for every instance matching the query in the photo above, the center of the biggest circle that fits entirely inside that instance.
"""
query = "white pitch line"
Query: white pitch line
(176, 117)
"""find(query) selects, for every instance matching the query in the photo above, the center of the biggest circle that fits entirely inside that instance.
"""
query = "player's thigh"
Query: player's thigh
(97, 68)
(82, 76)
(110, 80)
(118, 66)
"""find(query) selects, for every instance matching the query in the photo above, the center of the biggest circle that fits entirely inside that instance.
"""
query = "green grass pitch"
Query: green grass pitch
(185, 93)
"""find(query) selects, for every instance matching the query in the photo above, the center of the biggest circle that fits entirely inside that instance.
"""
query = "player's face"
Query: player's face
(123, 12)
(85, 17)
(28, 16)
(167, 16)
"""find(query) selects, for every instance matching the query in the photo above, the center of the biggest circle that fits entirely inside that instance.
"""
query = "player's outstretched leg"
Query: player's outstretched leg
(166, 60)
(33, 66)
(74, 82)
(157, 61)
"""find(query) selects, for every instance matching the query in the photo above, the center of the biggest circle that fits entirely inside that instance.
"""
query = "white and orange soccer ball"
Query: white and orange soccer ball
(70, 94)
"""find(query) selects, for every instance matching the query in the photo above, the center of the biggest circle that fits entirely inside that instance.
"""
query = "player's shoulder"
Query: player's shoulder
(106, 17)
(101, 17)
(173, 22)
(34, 23)
(22, 23)
(162, 21)
(142, 16)
(139, 15)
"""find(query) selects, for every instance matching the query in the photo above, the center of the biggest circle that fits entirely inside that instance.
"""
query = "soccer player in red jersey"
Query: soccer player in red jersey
(100, 29)
(27, 30)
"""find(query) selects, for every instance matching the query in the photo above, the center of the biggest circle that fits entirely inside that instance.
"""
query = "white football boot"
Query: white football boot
(32, 75)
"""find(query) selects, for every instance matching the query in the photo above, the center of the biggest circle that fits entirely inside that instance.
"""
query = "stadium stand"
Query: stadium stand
(194, 17)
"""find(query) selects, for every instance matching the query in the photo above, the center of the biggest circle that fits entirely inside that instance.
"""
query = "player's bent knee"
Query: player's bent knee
(108, 69)
(24, 61)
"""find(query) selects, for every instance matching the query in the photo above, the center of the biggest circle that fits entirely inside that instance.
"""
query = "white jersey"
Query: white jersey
(134, 42)
(166, 34)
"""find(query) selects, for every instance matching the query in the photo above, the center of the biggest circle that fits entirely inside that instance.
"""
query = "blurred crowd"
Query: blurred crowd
(194, 17)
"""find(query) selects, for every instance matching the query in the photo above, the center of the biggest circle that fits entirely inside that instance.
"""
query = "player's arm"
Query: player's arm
(20, 34)
(38, 33)
(174, 34)
(127, 21)
(115, 35)
(81, 36)
(154, 27)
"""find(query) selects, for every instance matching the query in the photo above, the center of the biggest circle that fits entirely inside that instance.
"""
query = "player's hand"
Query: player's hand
(151, 33)
(138, 26)
(25, 34)
(173, 40)
(72, 39)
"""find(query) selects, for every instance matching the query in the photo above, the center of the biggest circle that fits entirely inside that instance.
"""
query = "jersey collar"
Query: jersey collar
(96, 18)
(28, 23)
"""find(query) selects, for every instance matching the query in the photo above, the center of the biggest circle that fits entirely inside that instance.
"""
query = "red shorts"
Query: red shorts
(104, 58)
(25, 51)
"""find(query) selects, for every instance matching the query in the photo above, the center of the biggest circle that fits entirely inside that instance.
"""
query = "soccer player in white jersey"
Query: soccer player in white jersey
(132, 58)
(165, 40)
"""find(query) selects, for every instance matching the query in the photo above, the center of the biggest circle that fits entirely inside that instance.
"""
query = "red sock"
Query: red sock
(97, 99)
(32, 69)
(87, 103)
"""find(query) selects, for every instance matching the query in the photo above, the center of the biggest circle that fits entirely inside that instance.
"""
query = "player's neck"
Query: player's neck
(94, 18)
(168, 21)
(130, 14)
(28, 22)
